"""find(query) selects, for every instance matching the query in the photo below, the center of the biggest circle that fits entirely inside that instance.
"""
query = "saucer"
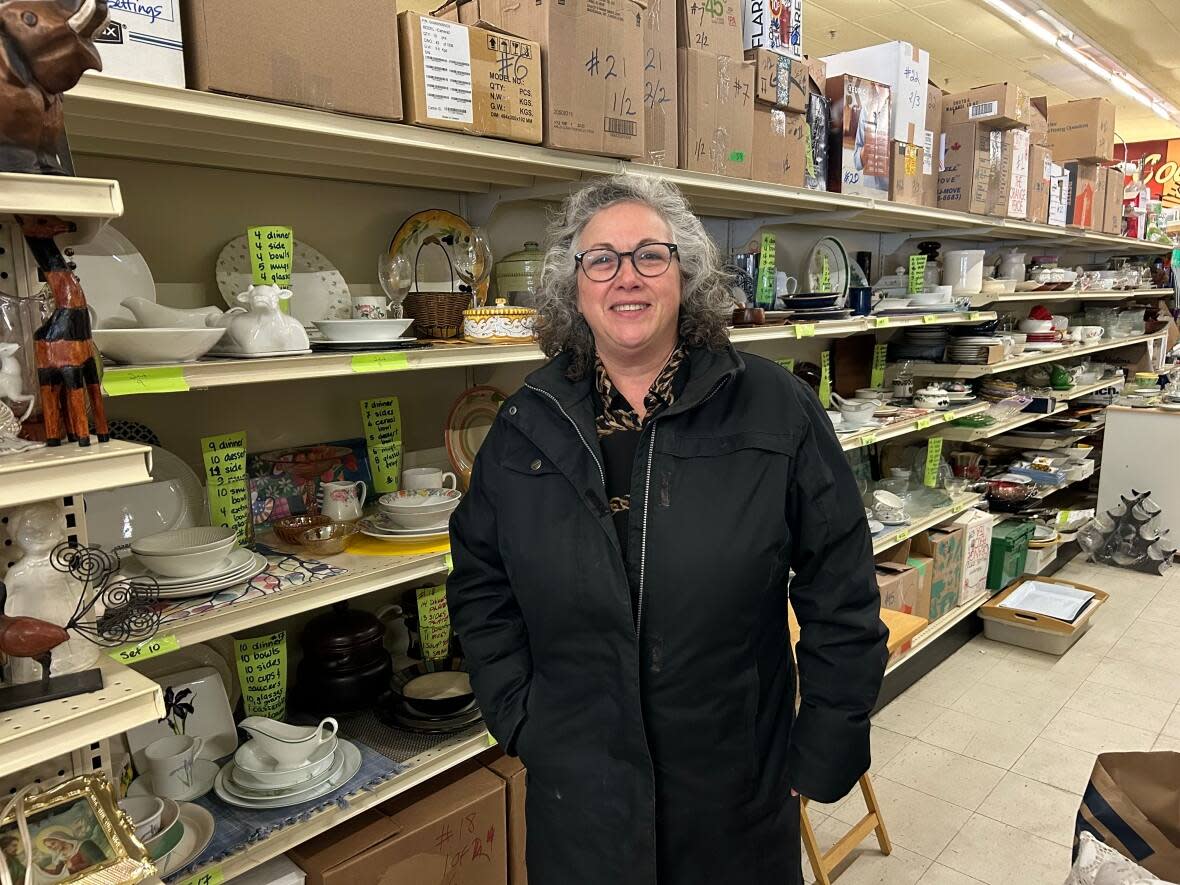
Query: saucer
(348, 752)
(204, 773)
(227, 780)
(876, 527)
(198, 827)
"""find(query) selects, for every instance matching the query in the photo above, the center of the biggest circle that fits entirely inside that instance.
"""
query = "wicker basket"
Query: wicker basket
(437, 314)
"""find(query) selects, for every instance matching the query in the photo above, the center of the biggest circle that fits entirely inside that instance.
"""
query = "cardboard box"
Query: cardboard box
(898, 584)
(977, 543)
(776, 25)
(907, 184)
(439, 831)
(1040, 558)
(469, 80)
(1000, 106)
(1083, 176)
(779, 155)
(1059, 195)
(294, 59)
(945, 547)
(1112, 211)
(815, 173)
(596, 104)
(858, 148)
(1040, 174)
(1098, 216)
(510, 770)
(142, 41)
(902, 67)
(1082, 130)
(933, 145)
(716, 113)
(710, 26)
(974, 177)
(817, 75)
(923, 567)
(1016, 174)
(1038, 121)
(778, 80)
(660, 106)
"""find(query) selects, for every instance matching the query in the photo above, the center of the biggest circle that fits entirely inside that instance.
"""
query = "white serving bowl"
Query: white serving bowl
(414, 520)
(184, 565)
(138, 346)
(197, 539)
(363, 330)
(419, 500)
(1028, 324)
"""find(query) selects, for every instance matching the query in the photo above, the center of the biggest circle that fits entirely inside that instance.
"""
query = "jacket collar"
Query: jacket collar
(707, 369)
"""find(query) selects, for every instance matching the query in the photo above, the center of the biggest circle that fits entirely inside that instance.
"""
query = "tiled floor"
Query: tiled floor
(979, 768)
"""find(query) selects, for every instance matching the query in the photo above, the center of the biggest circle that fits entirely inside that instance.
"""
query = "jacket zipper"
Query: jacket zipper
(577, 430)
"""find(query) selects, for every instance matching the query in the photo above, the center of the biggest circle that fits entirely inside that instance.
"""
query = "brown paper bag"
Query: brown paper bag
(1132, 803)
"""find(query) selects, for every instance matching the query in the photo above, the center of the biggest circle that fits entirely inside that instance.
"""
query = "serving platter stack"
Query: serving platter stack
(971, 350)
(283, 765)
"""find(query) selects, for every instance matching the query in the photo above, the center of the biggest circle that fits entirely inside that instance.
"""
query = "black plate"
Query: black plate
(432, 707)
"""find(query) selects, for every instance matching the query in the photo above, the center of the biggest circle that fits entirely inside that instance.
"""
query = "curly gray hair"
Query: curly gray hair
(706, 302)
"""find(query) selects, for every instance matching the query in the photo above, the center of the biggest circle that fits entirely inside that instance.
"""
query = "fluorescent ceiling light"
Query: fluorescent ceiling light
(1161, 111)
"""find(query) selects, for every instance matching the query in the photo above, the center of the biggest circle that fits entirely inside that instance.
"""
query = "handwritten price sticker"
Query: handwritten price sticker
(434, 623)
(877, 375)
(923, 423)
(933, 460)
(825, 274)
(917, 281)
(930, 318)
(804, 330)
(157, 379)
(211, 876)
(868, 439)
(975, 315)
(491, 740)
(450, 563)
(825, 379)
(141, 651)
(225, 473)
(379, 362)
(901, 536)
(880, 322)
(788, 364)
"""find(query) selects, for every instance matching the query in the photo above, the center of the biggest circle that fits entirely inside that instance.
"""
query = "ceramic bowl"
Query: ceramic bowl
(325, 540)
(501, 324)
(139, 346)
(363, 330)
(413, 519)
(290, 529)
(197, 539)
(1028, 324)
(415, 500)
(184, 565)
(145, 813)
(170, 834)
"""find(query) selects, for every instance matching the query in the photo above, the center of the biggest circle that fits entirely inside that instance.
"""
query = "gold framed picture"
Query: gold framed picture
(78, 834)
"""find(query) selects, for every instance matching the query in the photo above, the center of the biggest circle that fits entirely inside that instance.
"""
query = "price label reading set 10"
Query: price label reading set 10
(141, 651)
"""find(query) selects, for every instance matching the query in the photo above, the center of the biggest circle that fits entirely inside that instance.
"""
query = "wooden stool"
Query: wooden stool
(823, 864)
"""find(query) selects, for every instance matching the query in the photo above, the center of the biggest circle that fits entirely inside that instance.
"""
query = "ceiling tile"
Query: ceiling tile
(852, 10)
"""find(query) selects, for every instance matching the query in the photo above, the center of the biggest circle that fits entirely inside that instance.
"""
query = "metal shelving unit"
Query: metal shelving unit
(1067, 295)
(973, 434)
(916, 425)
(958, 370)
(87, 202)
(46, 473)
(50, 728)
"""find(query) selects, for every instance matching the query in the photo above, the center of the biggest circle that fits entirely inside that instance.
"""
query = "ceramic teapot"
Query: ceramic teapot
(262, 328)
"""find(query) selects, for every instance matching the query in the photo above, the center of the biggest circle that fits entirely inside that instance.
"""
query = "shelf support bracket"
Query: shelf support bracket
(891, 242)
(743, 229)
(482, 205)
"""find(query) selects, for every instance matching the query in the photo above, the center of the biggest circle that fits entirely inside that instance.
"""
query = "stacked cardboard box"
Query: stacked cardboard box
(815, 173)
(715, 89)
(1081, 136)
(933, 145)
(945, 547)
(780, 98)
(591, 62)
(660, 85)
(776, 25)
(1040, 161)
(858, 136)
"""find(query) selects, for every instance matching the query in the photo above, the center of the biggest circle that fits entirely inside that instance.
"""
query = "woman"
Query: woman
(621, 570)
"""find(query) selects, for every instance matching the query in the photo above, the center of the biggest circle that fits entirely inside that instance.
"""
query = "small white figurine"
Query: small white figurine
(263, 328)
(11, 384)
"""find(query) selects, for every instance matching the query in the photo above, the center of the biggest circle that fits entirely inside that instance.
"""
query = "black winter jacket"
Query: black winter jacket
(665, 751)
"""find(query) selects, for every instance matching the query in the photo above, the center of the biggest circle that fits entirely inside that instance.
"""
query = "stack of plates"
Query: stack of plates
(1043, 341)
(239, 566)
(431, 697)
(919, 343)
(971, 350)
(380, 526)
(253, 779)
(996, 389)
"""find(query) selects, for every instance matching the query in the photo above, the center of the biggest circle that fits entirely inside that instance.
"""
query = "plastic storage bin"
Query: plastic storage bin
(1009, 553)
(1038, 632)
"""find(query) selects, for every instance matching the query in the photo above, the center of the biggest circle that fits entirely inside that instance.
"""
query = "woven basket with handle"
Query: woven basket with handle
(437, 314)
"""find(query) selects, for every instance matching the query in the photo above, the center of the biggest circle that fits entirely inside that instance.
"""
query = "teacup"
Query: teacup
(1089, 333)
(427, 478)
(170, 763)
(145, 813)
(370, 307)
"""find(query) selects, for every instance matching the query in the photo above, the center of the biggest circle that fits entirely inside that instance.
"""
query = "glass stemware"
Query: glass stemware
(395, 277)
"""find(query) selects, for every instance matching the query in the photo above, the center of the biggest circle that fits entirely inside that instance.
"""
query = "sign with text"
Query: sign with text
(382, 418)
(877, 374)
(933, 460)
(825, 379)
(262, 672)
(434, 623)
(271, 250)
(224, 457)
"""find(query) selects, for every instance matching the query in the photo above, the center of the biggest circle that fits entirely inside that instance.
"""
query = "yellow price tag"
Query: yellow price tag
(491, 740)
(804, 330)
(211, 876)
(877, 374)
(975, 315)
(868, 439)
(923, 423)
(788, 364)
(434, 623)
(227, 488)
(270, 249)
(948, 417)
(155, 379)
(384, 361)
(382, 418)
(825, 274)
(933, 460)
(930, 318)
(880, 322)
(901, 536)
(385, 465)
(825, 379)
(450, 563)
(141, 651)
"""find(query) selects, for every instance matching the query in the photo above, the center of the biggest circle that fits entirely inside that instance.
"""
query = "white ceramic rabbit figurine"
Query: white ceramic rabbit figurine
(263, 328)
(11, 385)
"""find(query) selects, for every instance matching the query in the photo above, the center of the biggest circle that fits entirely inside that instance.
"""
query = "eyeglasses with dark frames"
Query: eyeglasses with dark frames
(649, 260)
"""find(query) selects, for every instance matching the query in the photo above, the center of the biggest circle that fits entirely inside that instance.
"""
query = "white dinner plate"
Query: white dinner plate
(352, 764)
(361, 342)
(318, 291)
(111, 269)
(238, 559)
(228, 780)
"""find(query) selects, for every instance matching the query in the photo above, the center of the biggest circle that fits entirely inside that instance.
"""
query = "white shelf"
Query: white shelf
(68, 469)
(120, 118)
(367, 574)
(1067, 295)
(87, 202)
(971, 434)
(1080, 390)
(958, 370)
(937, 628)
(448, 753)
(934, 421)
(894, 537)
(226, 372)
(35, 733)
